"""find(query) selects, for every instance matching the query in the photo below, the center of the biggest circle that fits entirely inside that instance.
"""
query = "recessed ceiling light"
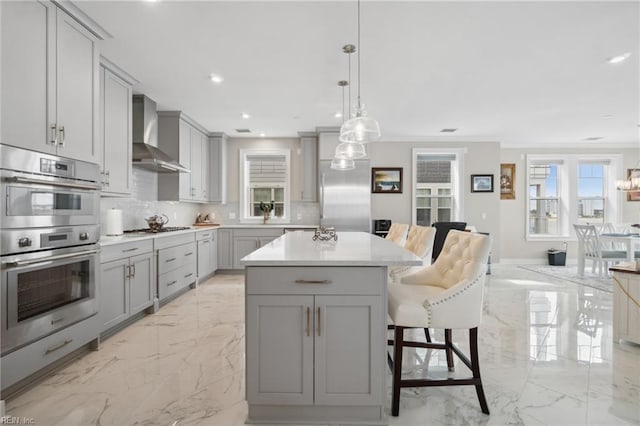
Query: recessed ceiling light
(245, 116)
(215, 77)
(448, 130)
(338, 115)
(262, 135)
(619, 58)
(593, 138)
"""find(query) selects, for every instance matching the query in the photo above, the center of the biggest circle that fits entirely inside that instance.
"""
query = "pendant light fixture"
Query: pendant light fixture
(630, 184)
(359, 129)
(348, 150)
(342, 164)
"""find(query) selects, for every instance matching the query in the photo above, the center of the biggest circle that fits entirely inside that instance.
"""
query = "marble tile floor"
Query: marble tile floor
(547, 358)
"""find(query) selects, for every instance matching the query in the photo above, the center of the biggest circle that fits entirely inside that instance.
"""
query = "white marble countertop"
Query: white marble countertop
(106, 240)
(351, 249)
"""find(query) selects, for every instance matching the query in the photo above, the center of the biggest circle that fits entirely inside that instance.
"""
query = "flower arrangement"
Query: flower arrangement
(266, 208)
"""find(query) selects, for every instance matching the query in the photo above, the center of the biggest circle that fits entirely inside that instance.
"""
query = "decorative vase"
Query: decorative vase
(265, 217)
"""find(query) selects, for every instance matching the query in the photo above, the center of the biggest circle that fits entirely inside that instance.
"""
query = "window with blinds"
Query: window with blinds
(435, 192)
(266, 181)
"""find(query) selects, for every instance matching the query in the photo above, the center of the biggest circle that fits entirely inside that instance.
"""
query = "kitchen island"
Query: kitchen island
(316, 323)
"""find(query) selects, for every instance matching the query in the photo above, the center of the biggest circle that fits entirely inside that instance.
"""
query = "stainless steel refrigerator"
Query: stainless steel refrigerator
(345, 197)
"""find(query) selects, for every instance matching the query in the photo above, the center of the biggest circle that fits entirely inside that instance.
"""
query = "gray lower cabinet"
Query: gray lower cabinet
(127, 283)
(177, 263)
(225, 254)
(207, 252)
(247, 240)
(304, 359)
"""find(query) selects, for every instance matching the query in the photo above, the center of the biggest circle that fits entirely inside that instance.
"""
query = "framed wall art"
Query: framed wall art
(508, 181)
(386, 180)
(481, 183)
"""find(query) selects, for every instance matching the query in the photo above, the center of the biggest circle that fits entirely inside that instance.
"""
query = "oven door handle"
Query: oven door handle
(49, 259)
(19, 179)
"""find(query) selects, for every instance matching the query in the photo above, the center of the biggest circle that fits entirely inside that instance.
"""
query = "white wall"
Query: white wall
(513, 243)
(481, 210)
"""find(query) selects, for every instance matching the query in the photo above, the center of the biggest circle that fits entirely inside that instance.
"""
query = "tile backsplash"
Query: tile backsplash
(143, 202)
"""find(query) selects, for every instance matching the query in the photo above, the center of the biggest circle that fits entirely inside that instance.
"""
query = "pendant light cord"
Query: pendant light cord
(359, 52)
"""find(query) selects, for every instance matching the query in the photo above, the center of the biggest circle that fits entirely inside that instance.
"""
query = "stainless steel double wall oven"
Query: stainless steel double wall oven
(49, 230)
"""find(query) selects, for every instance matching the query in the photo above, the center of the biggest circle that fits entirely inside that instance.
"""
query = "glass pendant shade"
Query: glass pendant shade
(360, 129)
(342, 164)
(350, 151)
(630, 184)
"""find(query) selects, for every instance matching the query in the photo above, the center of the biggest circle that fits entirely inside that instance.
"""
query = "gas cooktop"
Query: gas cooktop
(163, 229)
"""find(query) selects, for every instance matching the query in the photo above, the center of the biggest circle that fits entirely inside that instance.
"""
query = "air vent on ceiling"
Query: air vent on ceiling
(448, 130)
(243, 130)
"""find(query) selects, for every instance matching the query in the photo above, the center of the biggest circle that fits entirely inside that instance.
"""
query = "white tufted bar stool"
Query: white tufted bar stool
(448, 295)
(398, 233)
(419, 242)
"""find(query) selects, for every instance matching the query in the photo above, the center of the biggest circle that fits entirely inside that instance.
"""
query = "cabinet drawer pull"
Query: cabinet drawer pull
(54, 140)
(170, 260)
(188, 254)
(60, 346)
(172, 283)
(61, 132)
(56, 321)
(308, 321)
(319, 323)
(131, 249)
(205, 235)
(188, 275)
(313, 281)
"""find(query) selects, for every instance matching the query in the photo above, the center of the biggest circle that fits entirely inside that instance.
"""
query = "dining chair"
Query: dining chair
(448, 295)
(398, 233)
(419, 242)
(590, 247)
(442, 229)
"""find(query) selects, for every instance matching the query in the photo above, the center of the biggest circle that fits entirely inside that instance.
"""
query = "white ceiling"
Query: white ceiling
(522, 73)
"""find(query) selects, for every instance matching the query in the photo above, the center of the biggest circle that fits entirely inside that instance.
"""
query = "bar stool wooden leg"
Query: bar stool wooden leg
(397, 370)
(475, 368)
(449, 351)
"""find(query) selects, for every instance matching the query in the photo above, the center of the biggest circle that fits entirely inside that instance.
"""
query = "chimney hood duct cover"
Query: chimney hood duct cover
(151, 158)
(145, 153)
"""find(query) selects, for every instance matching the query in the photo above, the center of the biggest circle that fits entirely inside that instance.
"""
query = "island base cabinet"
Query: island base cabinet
(304, 358)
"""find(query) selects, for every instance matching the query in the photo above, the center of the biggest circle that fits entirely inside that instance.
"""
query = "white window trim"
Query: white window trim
(567, 190)
(457, 211)
(244, 178)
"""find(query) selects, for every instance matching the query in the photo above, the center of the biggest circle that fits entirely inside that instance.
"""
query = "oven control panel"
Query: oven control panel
(26, 240)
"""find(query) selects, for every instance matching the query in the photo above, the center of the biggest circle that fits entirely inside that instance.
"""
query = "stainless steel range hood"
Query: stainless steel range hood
(145, 153)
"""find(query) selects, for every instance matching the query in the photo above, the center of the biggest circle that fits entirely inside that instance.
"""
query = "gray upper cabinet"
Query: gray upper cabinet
(115, 129)
(49, 80)
(309, 145)
(218, 169)
(187, 142)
